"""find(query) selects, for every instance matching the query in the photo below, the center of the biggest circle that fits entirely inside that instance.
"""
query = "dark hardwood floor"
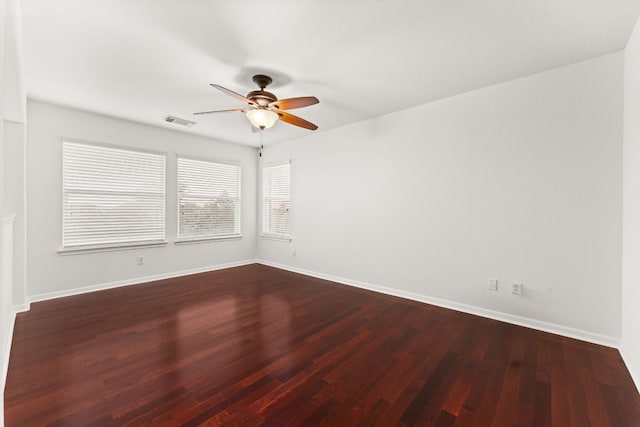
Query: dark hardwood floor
(259, 346)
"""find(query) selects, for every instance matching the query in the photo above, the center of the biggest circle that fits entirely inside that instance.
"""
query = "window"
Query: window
(208, 200)
(276, 201)
(112, 197)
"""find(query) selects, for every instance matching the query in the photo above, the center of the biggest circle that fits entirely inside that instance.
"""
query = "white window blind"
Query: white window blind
(208, 199)
(112, 196)
(276, 201)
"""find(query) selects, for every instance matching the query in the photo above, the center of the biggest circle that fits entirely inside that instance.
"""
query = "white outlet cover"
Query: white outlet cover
(493, 284)
(516, 288)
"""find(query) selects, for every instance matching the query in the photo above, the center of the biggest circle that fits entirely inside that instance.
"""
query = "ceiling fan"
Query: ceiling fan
(265, 108)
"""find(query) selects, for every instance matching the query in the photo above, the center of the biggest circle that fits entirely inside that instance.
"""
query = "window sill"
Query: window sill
(276, 237)
(191, 241)
(79, 250)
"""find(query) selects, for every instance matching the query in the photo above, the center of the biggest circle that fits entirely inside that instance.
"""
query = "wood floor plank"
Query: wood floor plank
(258, 346)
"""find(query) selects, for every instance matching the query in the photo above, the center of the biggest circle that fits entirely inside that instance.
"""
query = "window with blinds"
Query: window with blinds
(276, 201)
(112, 196)
(208, 200)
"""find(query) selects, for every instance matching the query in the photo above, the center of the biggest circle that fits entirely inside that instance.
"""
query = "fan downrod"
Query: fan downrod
(262, 81)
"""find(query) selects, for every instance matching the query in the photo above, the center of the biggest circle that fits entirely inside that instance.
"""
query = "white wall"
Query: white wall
(14, 204)
(53, 274)
(520, 181)
(631, 209)
(12, 180)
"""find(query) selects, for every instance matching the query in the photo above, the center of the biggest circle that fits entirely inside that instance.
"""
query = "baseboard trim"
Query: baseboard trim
(134, 281)
(8, 340)
(465, 308)
(633, 369)
(478, 311)
(22, 308)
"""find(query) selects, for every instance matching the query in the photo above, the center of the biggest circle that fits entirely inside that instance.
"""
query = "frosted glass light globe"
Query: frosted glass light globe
(262, 118)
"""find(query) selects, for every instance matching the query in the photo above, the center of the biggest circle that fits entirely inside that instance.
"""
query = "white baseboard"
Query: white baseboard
(21, 308)
(6, 353)
(478, 311)
(6, 345)
(134, 281)
(632, 367)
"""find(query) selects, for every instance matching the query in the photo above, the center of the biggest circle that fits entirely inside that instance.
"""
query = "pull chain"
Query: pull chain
(261, 142)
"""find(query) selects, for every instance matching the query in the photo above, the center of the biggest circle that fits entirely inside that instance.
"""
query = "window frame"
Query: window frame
(266, 234)
(209, 238)
(113, 246)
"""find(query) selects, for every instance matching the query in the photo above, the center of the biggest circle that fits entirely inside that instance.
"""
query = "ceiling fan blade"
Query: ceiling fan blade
(239, 110)
(296, 121)
(291, 103)
(232, 93)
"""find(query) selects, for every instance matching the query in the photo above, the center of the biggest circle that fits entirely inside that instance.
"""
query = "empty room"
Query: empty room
(320, 213)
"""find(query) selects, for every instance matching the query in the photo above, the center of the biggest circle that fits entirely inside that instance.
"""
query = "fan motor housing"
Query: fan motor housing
(262, 97)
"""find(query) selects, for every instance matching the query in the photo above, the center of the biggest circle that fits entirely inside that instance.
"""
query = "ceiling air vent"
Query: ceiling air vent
(179, 121)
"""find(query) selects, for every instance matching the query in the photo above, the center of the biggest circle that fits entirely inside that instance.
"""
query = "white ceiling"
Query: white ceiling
(144, 59)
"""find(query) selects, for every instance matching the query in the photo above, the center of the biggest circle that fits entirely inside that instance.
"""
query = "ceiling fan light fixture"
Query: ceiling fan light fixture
(262, 118)
(265, 108)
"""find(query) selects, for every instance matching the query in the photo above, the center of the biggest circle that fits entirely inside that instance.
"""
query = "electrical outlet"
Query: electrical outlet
(516, 288)
(294, 253)
(493, 284)
(140, 260)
